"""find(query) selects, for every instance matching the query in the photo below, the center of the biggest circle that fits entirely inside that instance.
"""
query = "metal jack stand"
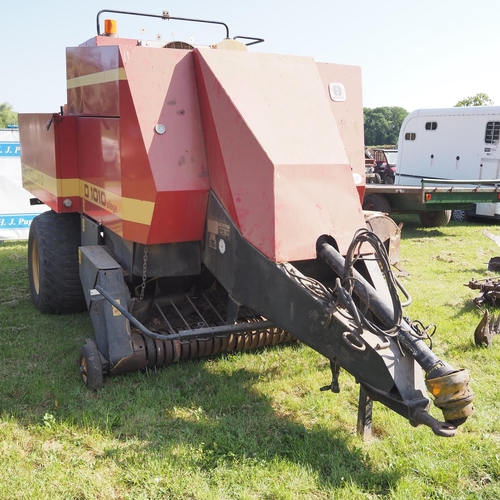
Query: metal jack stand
(365, 409)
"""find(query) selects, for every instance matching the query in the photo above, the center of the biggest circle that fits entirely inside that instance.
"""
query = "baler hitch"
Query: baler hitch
(449, 386)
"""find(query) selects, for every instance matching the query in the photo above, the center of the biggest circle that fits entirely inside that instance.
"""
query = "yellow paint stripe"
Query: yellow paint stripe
(139, 211)
(56, 187)
(68, 187)
(110, 75)
(127, 209)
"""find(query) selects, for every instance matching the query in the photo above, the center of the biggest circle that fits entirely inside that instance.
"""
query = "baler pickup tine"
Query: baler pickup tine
(196, 310)
(165, 319)
(189, 333)
(213, 308)
(179, 314)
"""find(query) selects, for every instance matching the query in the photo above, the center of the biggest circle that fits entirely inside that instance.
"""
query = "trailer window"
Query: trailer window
(410, 136)
(431, 126)
(492, 133)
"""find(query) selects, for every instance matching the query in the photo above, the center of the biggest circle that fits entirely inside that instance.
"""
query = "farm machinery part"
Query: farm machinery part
(489, 325)
(202, 204)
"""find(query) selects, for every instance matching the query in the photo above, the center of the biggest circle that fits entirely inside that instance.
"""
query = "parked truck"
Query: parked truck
(448, 159)
(208, 200)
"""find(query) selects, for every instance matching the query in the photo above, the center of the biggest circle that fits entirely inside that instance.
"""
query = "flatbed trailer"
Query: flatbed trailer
(433, 200)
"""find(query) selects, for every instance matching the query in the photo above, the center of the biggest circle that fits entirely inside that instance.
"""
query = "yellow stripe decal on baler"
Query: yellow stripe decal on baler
(56, 187)
(127, 209)
(110, 75)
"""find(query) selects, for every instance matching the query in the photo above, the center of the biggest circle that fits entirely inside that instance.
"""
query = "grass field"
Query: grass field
(249, 426)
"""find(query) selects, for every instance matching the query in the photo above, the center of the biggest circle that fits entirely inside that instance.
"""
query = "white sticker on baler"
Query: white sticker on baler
(222, 246)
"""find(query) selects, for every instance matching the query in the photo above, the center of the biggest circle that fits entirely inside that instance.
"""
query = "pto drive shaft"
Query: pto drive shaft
(449, 386)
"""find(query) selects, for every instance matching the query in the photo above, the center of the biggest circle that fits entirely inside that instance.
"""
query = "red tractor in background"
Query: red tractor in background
(206, 200)
(385, 164)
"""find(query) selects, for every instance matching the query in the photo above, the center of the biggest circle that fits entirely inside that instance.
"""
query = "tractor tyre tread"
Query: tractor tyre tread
(53, 243)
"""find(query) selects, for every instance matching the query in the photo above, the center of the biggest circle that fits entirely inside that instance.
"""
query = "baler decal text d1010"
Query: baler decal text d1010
(128, 209)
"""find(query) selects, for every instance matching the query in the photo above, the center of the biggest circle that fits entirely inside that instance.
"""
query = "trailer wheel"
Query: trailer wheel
(53, 263)
(90, 365)
(459, 215)
(436, 218)
(376, 203)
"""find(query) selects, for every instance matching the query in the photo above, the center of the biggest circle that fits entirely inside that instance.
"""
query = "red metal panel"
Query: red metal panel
(49, 159)
(100, 170)
(219, 182)
(179, 216)
(163, 92)
(93, 80)
(287, 172)
(137, 179)
(348, 114)
(108, 40)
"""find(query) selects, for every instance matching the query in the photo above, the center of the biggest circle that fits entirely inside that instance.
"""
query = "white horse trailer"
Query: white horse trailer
(460, 143)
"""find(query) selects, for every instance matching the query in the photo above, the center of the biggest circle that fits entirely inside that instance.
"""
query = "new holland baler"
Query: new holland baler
(207, 200)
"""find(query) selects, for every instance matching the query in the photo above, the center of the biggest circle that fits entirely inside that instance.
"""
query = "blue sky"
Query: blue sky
(419, 54)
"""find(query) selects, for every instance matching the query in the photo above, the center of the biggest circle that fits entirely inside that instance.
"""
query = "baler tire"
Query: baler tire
(437, 218)
(90, 365)
(53, 263)
(376, 203)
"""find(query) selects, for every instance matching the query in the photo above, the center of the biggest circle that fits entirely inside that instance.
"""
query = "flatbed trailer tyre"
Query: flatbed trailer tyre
(437, 218)
(376, 203)
(53, 263)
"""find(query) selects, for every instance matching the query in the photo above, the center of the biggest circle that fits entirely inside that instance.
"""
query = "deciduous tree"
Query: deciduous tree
(480, 99)
(7, 115)
(382, 125)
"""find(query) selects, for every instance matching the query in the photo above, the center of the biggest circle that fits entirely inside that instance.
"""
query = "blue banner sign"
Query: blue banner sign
(10, 149)
(16, 221)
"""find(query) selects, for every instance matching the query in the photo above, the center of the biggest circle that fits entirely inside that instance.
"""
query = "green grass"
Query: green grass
(249, 426)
